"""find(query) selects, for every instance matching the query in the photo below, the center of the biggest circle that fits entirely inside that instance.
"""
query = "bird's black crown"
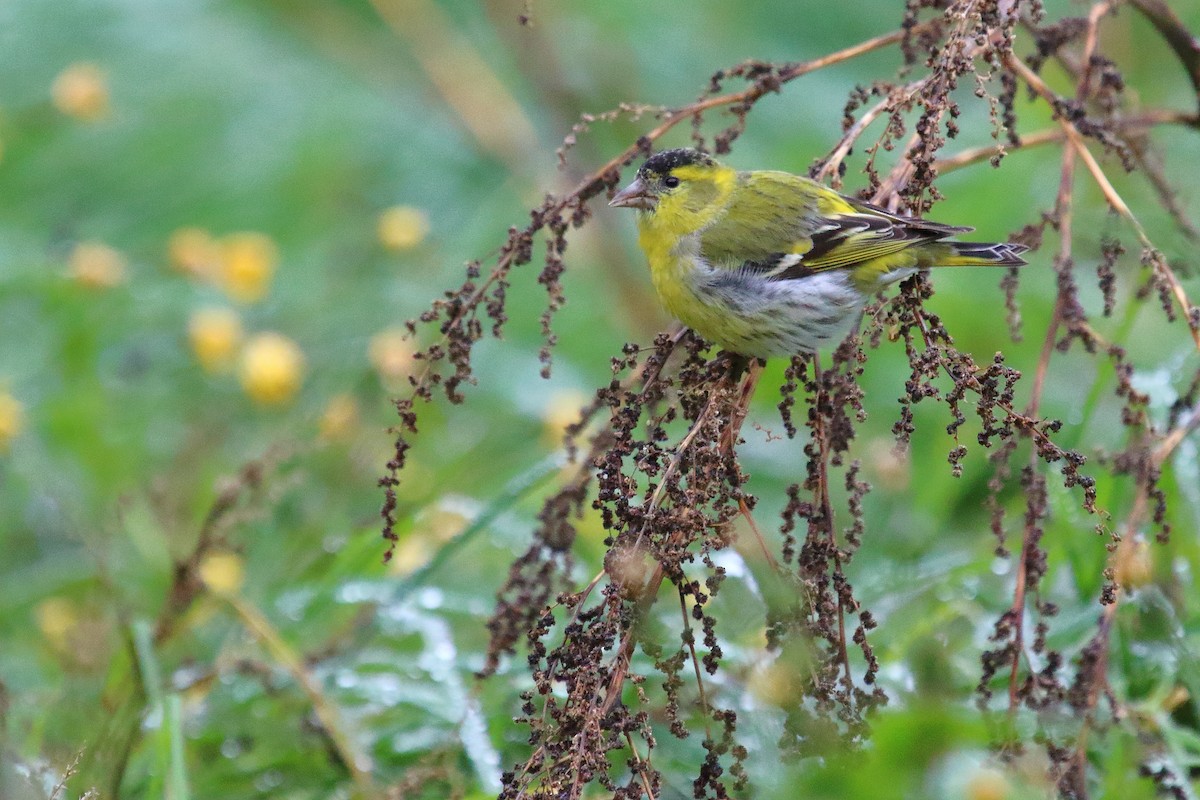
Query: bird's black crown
(662, 163)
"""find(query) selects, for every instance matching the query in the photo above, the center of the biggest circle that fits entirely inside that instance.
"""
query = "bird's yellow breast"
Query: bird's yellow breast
(671, 261)
(677, 271)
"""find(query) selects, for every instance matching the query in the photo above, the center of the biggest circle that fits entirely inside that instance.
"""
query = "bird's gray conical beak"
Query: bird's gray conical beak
(635, 195)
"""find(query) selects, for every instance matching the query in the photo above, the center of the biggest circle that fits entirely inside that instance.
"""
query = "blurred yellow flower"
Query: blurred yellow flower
(988, 784)
(194, 252)
(56, 618)
(272, 368)
(1133, 565)
(391, 354)
(776, 684)
(248, 262)
(403, 227)
(630, 568)
(891, 466)
(1175, 698)
(12, 419)
(339, 418)
(79, 635)
(97, 266)
(412, 553)
(562, 411)
(222, 573)
(441, 523)
(215, 334)
(81, 91)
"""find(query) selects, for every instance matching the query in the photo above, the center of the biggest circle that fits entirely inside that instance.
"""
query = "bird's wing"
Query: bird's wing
(785, 227)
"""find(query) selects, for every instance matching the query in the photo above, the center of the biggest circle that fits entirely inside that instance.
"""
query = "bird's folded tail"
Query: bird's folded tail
(981, 254)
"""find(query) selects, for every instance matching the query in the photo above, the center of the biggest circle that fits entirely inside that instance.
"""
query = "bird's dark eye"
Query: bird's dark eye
(670, 181)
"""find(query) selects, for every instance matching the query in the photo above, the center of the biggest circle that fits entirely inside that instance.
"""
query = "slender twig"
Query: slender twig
(832, 165)
(640, 766)
(606, 694)
(888, 193)
(1134, 123)
(1166, 447)
(1063, 219)
(595, 181)
(1075, 138)
(973, 155)
(820, 435)
(649, 590)
(1184, 44)
(690, 639)
(186, 585)
(676, 459)
(357, 763)
(1173, 439)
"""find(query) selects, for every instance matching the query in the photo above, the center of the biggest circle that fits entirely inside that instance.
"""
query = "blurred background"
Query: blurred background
(215, 218)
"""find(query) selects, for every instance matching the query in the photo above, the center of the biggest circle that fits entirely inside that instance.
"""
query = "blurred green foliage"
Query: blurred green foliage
(304, 121)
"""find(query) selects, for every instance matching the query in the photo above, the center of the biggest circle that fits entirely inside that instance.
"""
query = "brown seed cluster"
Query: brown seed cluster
(611, 663)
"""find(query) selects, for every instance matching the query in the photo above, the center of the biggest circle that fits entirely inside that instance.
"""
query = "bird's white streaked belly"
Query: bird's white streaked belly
(754, 316)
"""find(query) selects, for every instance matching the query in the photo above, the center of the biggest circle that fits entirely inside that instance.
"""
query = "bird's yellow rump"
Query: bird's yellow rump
(767, 263)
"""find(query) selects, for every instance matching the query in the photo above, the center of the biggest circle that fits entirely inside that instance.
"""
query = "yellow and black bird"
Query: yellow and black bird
(767, 263)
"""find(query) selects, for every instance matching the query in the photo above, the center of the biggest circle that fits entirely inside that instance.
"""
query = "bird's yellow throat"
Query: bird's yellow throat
(703, 195)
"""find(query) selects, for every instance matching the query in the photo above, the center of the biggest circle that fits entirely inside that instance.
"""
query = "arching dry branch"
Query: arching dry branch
(657, 448)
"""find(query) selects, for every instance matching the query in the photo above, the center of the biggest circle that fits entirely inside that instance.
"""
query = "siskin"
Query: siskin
(766, 263)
